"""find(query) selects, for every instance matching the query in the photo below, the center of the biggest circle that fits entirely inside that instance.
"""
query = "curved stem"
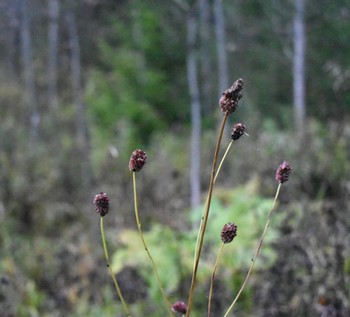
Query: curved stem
(205, 220)
(212, 278)
(206, 202)
(125, 306)
(166, 301)
(256, 252)
(222, 160)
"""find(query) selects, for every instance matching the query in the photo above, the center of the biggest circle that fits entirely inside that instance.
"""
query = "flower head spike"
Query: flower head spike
(179, 307)
(230, 97)
(137, 160)
(237, 131)
(228, 232)
(283, 172)
(101, 202)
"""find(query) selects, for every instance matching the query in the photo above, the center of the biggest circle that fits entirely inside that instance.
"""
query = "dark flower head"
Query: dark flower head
(237, 131)
(228, 232)
(179, 307)
(137, 160)
(230, 97)
(101, 202)
(283, 172)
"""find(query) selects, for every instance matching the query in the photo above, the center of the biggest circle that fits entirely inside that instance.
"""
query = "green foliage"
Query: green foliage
(347, 266)
(118, 96)
(328, 27)
(108, 308)
(165, 249)
(327, 166)
(244, 207)
(137, 85)
(33, 301)
(173, 251)
(169, 148)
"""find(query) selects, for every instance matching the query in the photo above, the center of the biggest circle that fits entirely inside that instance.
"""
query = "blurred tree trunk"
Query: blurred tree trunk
(29, 81)
(299, 67)
(33, 114)
(223, 82)
(139, 38)
(206, 67)
(219, 18)
(82, 136)
(13, 10)
(195, 107)
(53, 13)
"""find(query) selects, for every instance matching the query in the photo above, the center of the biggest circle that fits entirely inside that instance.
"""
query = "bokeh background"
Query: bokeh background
(83, 83)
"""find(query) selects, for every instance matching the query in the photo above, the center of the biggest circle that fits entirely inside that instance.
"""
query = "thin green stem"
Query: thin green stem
(206, 202)
(222, 160)
(125, 306)
(205, 220)
(256, 252)
(212, 278)
(166, 301)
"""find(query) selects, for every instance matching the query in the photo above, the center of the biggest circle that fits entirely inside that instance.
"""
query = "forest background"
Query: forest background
(83, 83)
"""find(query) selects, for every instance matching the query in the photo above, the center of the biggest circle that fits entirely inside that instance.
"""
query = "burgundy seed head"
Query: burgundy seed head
(237, 131)
(230, 97)
(179, 307)
(137, 160)
(283, 172)
(228, 232)
(101, 202)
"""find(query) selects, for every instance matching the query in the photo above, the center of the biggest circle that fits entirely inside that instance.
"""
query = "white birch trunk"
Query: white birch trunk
(299, 67)
(52, 37)
(195, 109)
(29, 81)
(82, 139)
(223, 82)
(13, 24)
(205, 60)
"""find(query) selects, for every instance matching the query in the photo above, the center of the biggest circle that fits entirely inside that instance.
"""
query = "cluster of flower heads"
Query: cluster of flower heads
(101, 202)
(237, 131)
(230, 97)
(179, 307)
(137, 160)
(283, 172)
(228, 232)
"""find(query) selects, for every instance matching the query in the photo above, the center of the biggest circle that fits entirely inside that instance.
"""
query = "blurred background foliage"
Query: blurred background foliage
(174, 254)
(121, 84)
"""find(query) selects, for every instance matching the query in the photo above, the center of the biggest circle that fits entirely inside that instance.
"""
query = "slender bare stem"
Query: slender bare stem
(222, 160)
(166, 301)
(125, 306)
(205, 220)
(206, 202)
(256, 252)
(212, 278)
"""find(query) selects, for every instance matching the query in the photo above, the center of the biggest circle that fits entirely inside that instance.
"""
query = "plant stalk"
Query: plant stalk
(125, 306)
(212, 278)
(256, 252)
(166, 301)
(205, 220)
(206, 202)
(222, 160)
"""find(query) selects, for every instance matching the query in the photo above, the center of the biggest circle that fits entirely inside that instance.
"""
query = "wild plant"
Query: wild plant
(228, 102)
